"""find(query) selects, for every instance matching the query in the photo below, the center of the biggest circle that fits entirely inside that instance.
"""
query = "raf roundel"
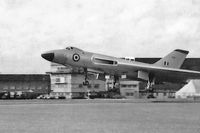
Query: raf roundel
(76, 57)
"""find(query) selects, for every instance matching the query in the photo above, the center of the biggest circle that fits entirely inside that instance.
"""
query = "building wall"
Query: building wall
(25, 83)
(71, 85)
(164, 95)
(61, 82)
(129, 89)
(38, 87)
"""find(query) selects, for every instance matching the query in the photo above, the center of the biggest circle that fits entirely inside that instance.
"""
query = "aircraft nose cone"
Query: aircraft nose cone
(48, 56)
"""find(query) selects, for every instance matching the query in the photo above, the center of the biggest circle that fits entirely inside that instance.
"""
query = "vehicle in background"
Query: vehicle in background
(18, 95)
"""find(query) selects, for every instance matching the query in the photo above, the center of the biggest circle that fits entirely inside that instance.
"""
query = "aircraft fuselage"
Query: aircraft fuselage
(116, 66)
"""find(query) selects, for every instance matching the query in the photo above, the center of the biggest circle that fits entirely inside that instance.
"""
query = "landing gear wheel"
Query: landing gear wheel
(86, 82)
(150, 93)
(150, 89)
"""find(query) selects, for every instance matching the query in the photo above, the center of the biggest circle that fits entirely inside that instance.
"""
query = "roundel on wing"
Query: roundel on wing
(76, 57)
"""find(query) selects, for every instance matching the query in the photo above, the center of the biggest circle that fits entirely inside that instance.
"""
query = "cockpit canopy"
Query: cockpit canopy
(74, 48)
(69, 48)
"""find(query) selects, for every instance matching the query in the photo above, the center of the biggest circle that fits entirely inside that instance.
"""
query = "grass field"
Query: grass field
(93, 116)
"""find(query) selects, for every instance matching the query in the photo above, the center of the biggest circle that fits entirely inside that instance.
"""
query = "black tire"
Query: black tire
(86, 82)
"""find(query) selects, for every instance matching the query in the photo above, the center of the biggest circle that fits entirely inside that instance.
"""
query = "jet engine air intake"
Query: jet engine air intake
(104, 61)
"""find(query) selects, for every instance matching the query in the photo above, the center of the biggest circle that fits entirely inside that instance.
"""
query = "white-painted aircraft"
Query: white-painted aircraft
(166, 69)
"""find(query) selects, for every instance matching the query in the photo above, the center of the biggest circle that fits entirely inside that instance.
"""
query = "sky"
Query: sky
(133, 28)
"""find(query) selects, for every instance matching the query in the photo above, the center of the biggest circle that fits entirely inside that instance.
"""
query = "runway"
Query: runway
(98, 116)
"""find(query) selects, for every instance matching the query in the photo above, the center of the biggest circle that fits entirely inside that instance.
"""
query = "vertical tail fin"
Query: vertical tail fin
(174, 59)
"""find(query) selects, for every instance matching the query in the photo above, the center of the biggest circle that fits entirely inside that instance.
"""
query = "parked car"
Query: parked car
(40, 97)
(61, 97)
(6, 95)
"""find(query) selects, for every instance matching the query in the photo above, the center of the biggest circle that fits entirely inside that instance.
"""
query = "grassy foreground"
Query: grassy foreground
(98, 116)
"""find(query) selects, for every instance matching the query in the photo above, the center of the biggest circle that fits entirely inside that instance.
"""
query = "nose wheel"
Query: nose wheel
(86, 82)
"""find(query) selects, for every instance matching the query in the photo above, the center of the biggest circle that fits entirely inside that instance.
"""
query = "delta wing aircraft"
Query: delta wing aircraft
(166, 69)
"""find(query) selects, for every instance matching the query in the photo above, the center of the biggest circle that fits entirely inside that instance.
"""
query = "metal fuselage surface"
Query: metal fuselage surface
(102, 63)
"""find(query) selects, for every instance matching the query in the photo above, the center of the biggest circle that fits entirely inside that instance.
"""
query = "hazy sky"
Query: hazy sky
(138, 28)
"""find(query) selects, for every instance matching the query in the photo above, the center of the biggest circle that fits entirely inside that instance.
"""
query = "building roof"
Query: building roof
(24, 77)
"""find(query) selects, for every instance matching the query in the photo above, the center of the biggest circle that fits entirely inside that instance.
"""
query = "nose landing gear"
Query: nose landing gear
(86, 82)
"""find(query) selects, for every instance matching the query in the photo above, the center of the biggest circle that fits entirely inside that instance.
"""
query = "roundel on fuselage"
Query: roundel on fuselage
(76, 57)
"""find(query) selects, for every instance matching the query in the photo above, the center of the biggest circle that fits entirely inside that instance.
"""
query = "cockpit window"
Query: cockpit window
(69, 48)
(75, 49)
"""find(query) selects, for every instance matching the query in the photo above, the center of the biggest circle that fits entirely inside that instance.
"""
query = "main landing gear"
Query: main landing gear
(149, 88)
(116, 80)
(86, 82)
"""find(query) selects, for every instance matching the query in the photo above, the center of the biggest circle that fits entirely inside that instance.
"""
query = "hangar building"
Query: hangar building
(21, 83)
